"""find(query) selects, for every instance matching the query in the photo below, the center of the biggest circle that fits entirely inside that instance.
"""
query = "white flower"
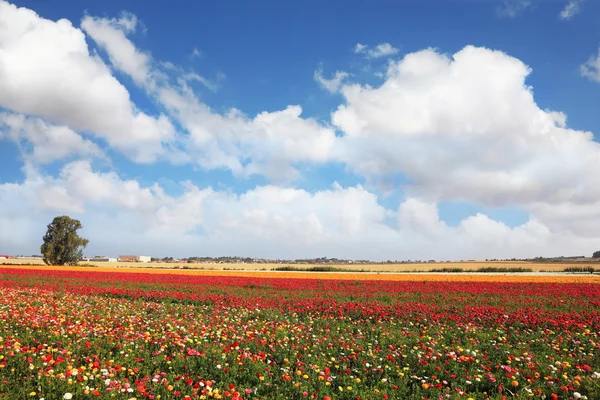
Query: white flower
(68, 396)
(577, 395)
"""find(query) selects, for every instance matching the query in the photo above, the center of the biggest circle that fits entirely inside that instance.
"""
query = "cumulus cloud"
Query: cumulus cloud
(457, 127)
(466, 127)
(50, 142)
(478, 236)
(269, 213)
(379, 51)
(49, 72)
(333, 84)
(268, 221)
(572, 8)
(268, 144)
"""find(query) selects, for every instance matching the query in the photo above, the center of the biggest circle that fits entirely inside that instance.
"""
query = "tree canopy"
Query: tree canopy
(596, 254)
(62, 245)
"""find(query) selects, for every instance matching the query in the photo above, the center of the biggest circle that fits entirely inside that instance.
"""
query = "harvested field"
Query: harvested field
(405, 267)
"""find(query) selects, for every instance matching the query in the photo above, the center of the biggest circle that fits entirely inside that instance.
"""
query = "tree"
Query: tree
(62, 245)
(596, 254)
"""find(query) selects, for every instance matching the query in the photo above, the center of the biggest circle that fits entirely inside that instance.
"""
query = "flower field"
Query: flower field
(89, 333)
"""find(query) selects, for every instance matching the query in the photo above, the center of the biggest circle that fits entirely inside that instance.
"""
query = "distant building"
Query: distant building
(135, 258)
(4, 257)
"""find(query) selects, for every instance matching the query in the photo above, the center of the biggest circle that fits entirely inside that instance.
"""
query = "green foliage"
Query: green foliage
(62, 245)
(503, 269)
(596, 254)
(590, 270)
(447, 270)
(318, 268)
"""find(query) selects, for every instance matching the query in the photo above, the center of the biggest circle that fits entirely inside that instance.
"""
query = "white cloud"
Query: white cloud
(122, 216)
(513, 8)
(110, 35)
(572, 8)
(50, 142)
(466, 128)
(268, 144)
(379, 51)
(192, 76)
(48, 71)
(127, 21)
(331, 85)
(571, 217)
(591, 69)
(478, 236)
(421, 218)
(267, 214)
(78, 186)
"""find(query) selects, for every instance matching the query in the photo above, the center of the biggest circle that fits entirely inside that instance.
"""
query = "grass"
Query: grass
(318, 268)
(447, 270)
(504, 269)
(484, 270)
(590, 270)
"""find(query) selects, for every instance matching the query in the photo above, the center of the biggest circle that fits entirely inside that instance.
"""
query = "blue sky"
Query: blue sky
(221, 107)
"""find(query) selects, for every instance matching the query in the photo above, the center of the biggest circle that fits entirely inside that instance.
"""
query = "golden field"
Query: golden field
(410, 267)
(390, 275)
